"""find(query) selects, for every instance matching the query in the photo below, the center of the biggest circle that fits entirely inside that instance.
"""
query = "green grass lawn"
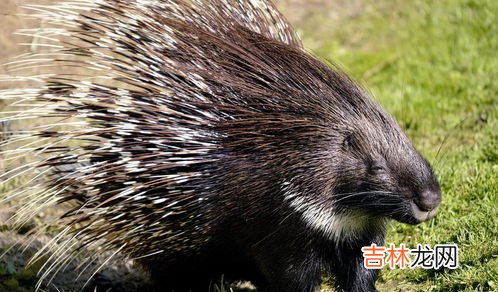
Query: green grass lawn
(433, 64)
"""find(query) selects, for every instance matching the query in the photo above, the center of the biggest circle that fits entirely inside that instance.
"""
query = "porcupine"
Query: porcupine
(202, 139)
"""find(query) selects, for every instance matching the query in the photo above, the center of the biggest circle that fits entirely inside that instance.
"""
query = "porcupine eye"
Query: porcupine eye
(348, 142)
(377, 167)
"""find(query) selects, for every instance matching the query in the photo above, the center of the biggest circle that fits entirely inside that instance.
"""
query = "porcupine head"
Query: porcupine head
(189, 111)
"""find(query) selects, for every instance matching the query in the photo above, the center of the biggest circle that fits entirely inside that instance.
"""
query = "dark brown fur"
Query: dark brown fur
(232, 151)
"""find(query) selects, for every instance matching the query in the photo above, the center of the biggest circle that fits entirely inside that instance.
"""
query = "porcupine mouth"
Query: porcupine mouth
(421, 215)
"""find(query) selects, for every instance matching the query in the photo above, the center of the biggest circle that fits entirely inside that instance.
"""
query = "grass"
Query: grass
(433, 65)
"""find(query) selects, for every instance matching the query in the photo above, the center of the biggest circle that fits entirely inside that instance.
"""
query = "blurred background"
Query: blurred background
(434, 66)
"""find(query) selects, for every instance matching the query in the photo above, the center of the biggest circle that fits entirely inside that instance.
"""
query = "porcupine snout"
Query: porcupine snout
(428, 200)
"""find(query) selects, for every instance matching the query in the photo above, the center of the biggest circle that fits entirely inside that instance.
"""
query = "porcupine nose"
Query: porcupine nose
(428, 200)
